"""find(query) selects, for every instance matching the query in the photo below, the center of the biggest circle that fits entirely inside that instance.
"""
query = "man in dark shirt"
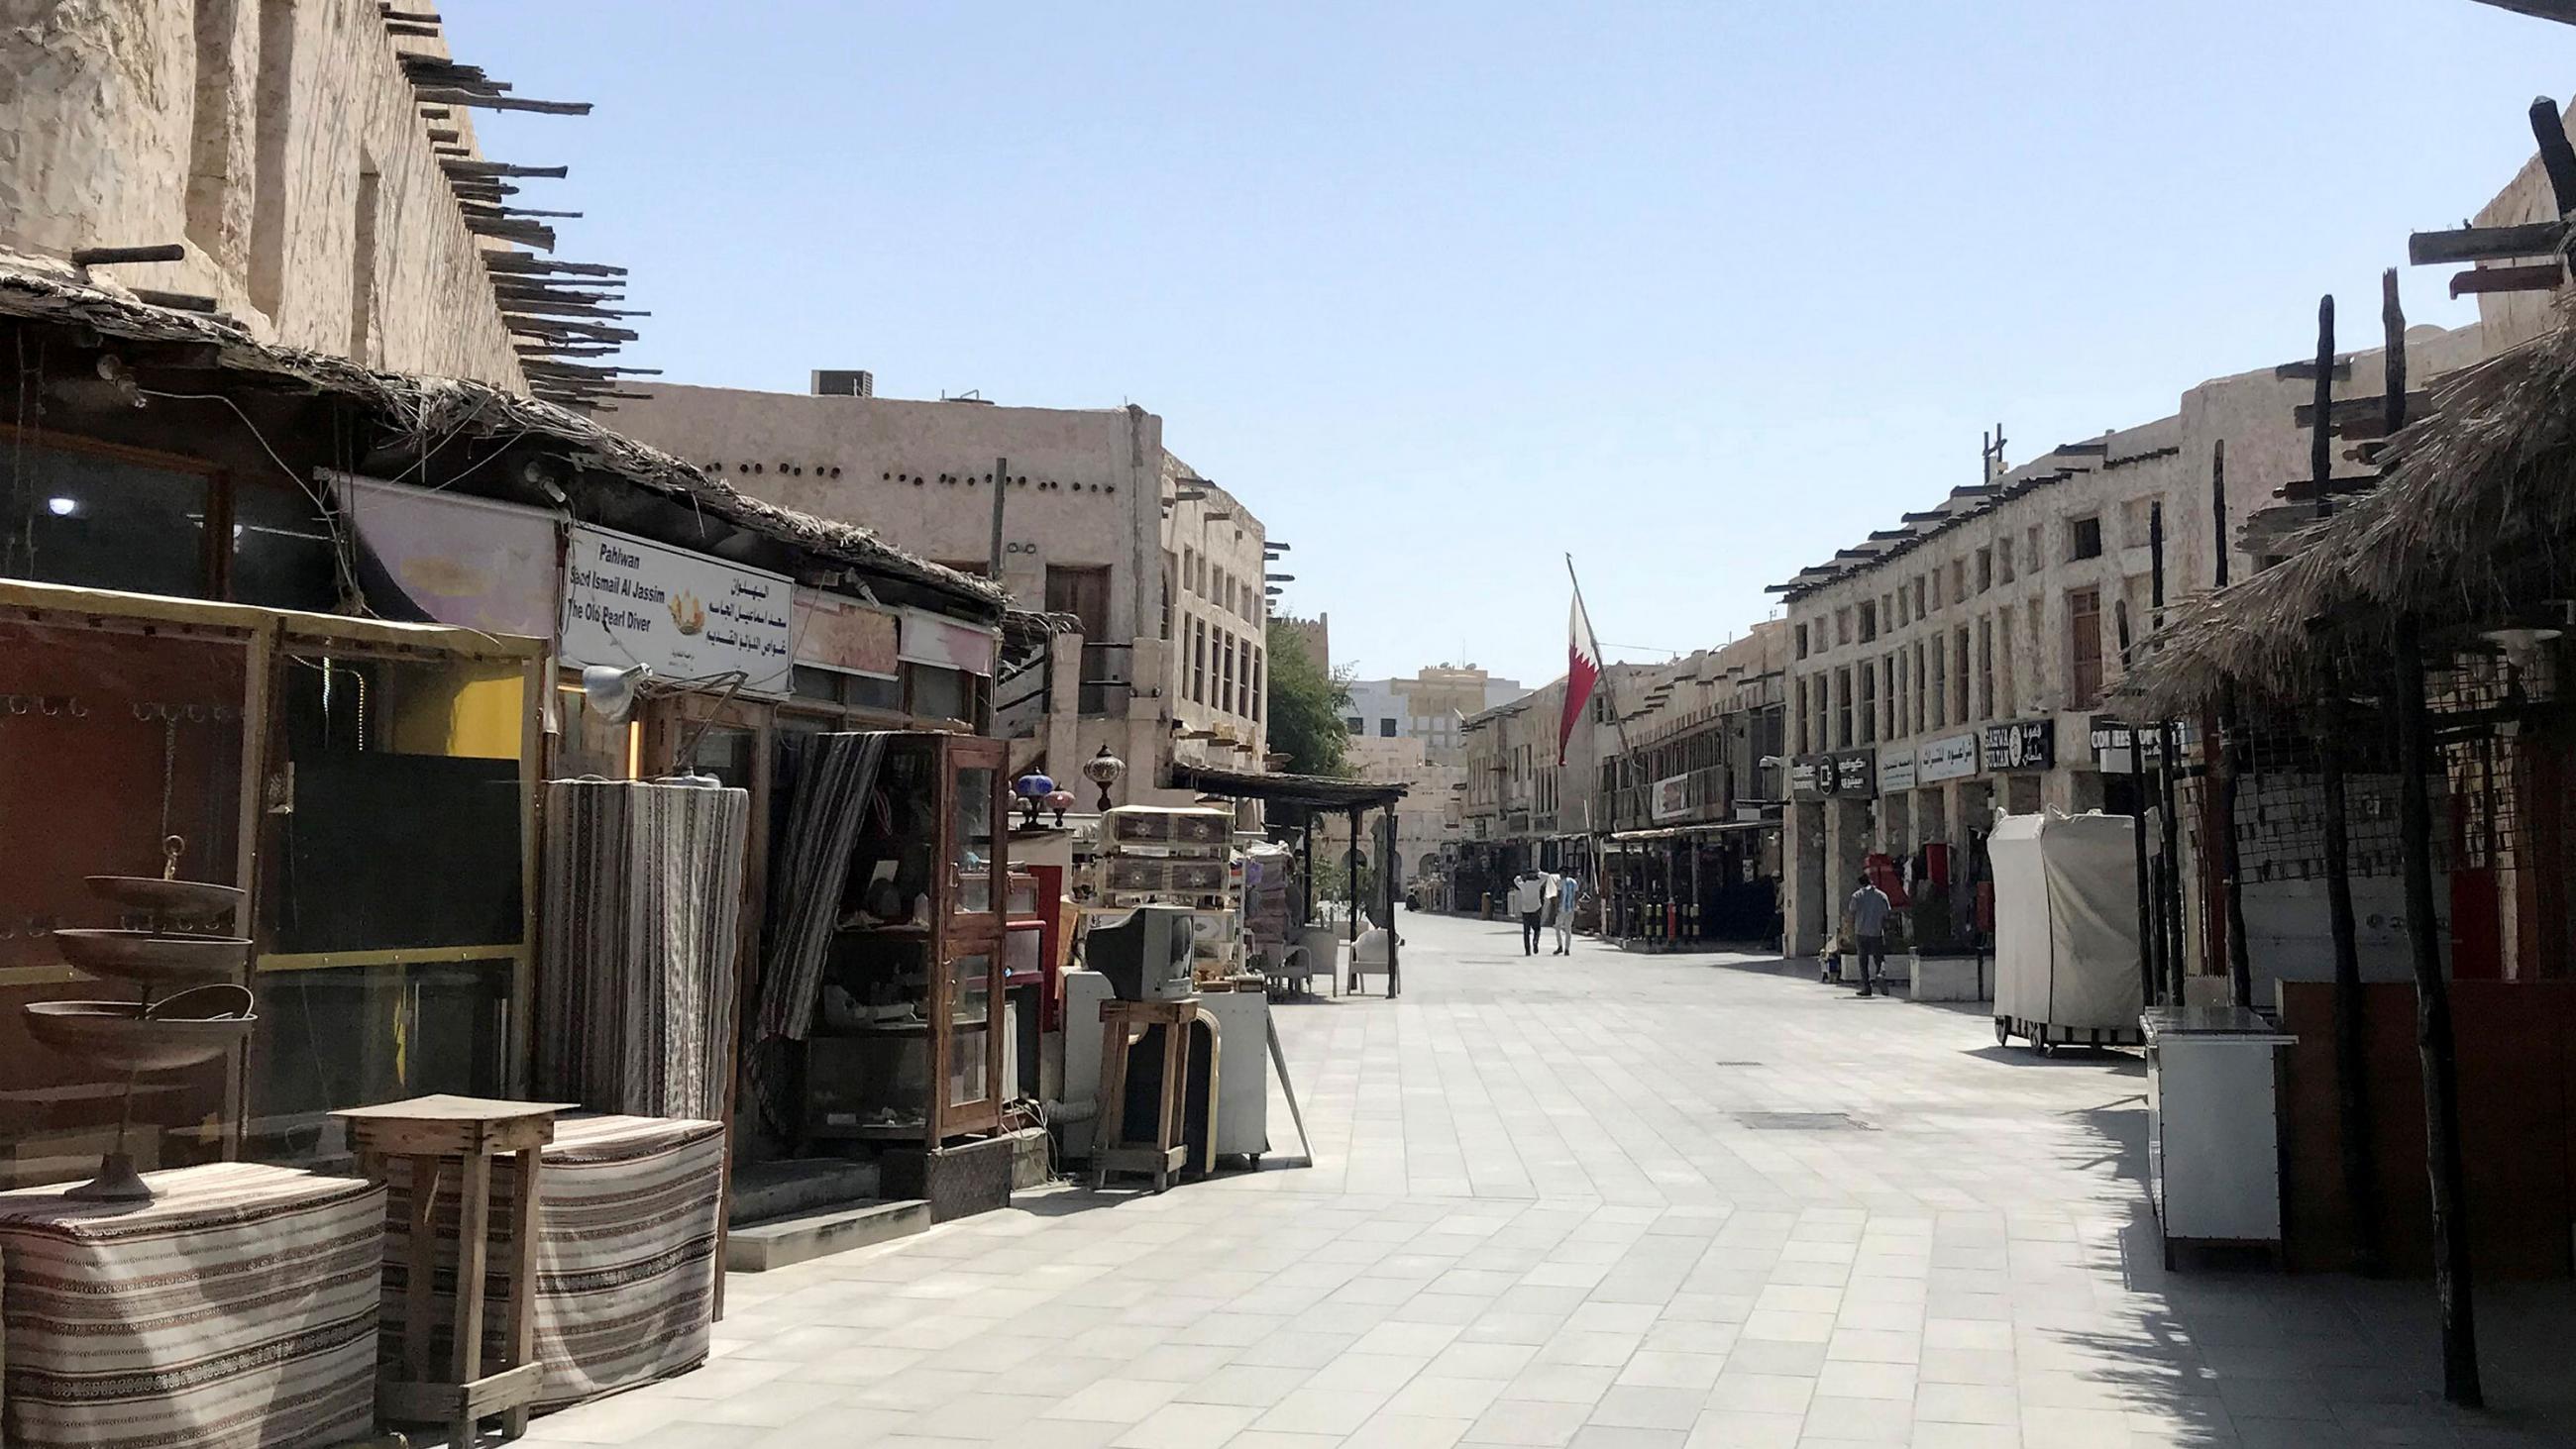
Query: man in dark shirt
(1867, 911)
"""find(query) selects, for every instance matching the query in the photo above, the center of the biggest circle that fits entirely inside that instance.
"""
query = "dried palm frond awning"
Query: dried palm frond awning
(427, 410)
(2473, 523)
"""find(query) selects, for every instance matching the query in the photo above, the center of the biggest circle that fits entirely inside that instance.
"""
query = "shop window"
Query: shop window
(858, 691)
(934, 693)
(400, 832)
(283, 553)
(2084, 537)
(105, 523)
(2084, 639)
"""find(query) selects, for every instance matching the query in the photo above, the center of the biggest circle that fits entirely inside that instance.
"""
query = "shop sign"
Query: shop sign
(945, 643)
(845, 635)
(1855, 773)
(2024, 744)
(629, 600)
(2110, 741)
(434, 557)
(1895, 769)
(1671, 798)
(1810, 776)
(1951, 757)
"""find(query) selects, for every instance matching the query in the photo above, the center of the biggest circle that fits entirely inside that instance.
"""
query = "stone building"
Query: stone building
(1427, 706)
(1157, 570)
(1430, 819)
(1957, 662)
(282, 145)
(1314, 637)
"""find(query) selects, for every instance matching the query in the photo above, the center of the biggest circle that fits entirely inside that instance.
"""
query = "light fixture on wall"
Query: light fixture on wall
(610, 690)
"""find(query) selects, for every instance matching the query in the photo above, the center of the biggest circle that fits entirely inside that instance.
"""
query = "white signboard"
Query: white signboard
(948, 644)
(628, 601)
(1952, 757)
(1895, 769)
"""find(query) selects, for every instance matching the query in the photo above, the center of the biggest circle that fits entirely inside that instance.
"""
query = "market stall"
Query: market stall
(317, 763)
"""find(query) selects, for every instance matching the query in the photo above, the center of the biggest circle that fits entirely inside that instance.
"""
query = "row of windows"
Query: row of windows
(1960, 677)
(1212, 582)
(1963, 578)
(1225, 671)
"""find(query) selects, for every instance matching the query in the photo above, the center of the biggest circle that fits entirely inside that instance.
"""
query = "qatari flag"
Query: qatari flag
(1582, 671)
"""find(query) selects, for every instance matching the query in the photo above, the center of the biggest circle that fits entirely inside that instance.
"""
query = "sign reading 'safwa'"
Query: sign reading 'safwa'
(629, 601)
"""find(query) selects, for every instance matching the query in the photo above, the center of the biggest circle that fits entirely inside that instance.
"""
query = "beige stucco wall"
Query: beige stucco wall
(108, 118)
(2253, 413)
(1087, 489)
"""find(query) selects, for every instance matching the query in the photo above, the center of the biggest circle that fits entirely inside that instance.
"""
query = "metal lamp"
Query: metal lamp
(1104, 770)
(1032, 788)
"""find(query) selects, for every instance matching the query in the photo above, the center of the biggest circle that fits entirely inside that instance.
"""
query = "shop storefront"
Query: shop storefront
(369, 786)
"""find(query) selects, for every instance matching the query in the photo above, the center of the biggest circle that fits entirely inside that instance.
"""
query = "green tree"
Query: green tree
(1306, 704)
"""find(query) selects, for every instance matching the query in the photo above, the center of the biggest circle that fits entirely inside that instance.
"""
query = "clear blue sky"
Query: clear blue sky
(1698, 292)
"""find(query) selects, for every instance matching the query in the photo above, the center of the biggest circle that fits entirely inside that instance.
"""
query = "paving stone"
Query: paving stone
(1536, 1215)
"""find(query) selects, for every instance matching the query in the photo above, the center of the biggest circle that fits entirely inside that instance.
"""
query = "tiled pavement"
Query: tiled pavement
(1546, 1209)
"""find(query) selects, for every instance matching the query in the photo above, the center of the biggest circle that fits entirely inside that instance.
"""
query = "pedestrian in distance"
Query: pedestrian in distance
(1867, 913)
(1529, 901)
(1569, 894)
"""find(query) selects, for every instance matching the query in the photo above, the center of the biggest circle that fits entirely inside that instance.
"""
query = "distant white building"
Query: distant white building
(1427, 707)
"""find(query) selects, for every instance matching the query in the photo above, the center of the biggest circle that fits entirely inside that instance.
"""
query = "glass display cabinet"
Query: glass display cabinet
(907, 1046)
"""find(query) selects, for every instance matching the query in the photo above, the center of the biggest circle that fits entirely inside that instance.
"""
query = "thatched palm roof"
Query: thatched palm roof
(431, 409)
(2473, 522)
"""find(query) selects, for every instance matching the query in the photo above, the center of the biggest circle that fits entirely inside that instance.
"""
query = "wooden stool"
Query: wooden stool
(1110, 1151)
(460, 1137)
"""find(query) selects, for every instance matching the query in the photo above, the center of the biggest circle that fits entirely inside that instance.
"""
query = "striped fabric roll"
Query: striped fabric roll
(642, 901)
(626, 1243)
(235, 1311)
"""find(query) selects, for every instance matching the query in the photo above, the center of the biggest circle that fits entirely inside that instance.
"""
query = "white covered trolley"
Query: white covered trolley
(2066, 930)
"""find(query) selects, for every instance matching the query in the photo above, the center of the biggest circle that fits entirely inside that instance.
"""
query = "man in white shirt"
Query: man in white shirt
(1529, 901)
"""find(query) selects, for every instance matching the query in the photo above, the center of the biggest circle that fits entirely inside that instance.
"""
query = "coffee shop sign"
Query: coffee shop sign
(2027, 744)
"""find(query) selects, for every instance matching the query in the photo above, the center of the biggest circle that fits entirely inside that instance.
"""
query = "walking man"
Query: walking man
(1867, 911)
(1529, 899)
(1569, 894)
